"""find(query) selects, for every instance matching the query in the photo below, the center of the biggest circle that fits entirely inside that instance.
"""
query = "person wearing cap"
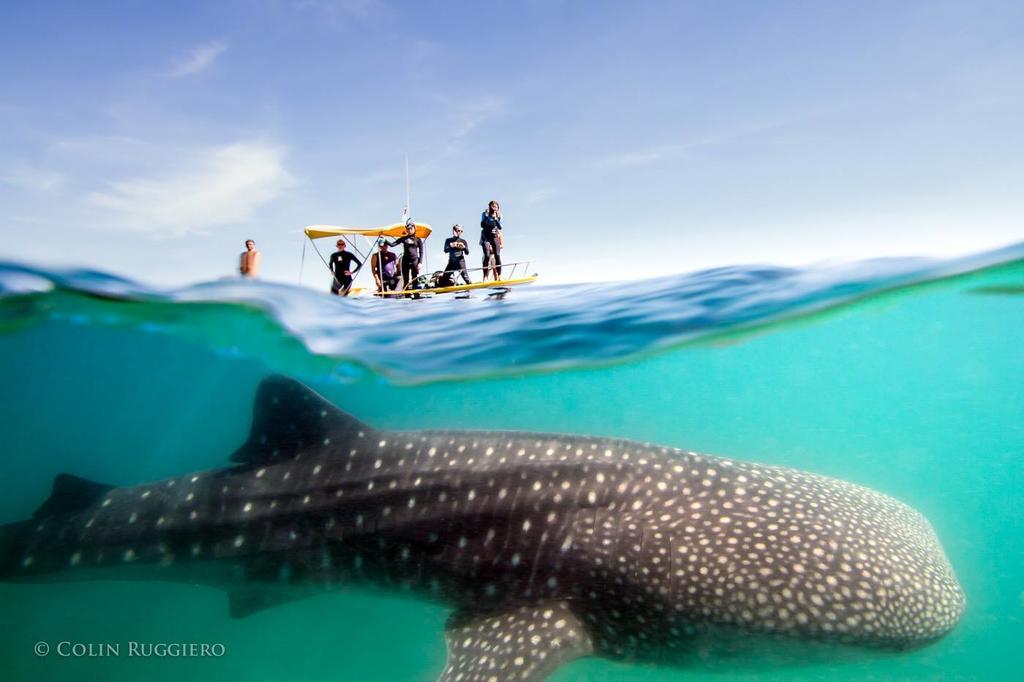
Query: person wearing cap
(412, 253)
(341, 265)
(456, 248)
(384, 264)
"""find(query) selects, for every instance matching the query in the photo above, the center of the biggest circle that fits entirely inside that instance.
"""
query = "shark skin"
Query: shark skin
(548, 547)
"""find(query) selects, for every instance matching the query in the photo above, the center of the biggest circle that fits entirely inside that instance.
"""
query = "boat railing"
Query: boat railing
(509, 271)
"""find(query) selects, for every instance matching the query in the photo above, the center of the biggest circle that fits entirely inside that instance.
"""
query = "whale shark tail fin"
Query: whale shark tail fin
(288, 419)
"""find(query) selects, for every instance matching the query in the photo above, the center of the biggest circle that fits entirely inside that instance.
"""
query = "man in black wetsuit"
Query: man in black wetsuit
(490, 239)
(456, 248)
(411, 255)
(341, 265)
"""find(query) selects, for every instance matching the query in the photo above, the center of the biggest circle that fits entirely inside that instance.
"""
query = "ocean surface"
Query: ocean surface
(906, 376)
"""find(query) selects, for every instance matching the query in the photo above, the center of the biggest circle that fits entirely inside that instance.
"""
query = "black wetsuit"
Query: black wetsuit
(413, 250)
(456, 248)
(340, 262)
(489, 225)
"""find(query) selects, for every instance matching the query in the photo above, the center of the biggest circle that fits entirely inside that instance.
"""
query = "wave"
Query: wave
(532, 329)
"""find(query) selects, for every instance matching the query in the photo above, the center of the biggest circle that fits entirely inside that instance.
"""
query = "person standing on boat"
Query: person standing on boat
(491, 240)
(384, 264)
(456, 248)
(249, 264)
(341, 265)
(412, 253)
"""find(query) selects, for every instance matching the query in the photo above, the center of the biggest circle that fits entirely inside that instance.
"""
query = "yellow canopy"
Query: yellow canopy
(396, 230)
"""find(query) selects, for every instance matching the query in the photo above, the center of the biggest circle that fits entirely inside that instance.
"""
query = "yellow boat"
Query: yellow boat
(425, 285)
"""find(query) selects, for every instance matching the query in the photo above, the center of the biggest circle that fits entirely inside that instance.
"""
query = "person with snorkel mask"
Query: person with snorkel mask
(412, 253)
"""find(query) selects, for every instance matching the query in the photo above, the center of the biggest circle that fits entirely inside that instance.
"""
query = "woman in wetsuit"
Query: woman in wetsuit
(411, 255)
(456, 248)
(490, 239)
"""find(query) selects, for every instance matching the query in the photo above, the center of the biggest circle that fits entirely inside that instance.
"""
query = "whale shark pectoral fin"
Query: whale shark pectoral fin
(71, 493)
(288, 417)
(522, 643)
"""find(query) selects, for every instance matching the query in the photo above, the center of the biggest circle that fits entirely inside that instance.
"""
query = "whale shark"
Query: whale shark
(548, 547)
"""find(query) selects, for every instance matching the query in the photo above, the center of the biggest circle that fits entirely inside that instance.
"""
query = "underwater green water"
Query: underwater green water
(918, 394)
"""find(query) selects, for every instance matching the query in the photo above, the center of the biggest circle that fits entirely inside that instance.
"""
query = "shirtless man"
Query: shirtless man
(249, 265)
(385, 268)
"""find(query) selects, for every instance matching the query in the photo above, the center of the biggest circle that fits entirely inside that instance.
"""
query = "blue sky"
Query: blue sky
(622, 139)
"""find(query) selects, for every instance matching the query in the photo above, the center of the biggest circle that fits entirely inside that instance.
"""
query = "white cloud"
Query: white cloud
(460, 125)
(471, 115)
(216, 186)
(630, 160)
(672, 150)
(339, 11)
(538, 195)
(198, 59)
(33, 179)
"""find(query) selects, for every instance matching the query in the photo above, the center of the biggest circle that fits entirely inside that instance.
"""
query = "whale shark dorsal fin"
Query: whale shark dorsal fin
(521, 643)
(71, 493)
(288, 418)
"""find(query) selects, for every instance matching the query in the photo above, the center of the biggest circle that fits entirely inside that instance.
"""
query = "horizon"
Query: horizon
(622, 142)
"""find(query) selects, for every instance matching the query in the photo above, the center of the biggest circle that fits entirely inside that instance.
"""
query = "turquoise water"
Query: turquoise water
(902, 376)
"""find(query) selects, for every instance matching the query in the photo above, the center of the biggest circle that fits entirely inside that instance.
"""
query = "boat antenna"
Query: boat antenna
(405, 213)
